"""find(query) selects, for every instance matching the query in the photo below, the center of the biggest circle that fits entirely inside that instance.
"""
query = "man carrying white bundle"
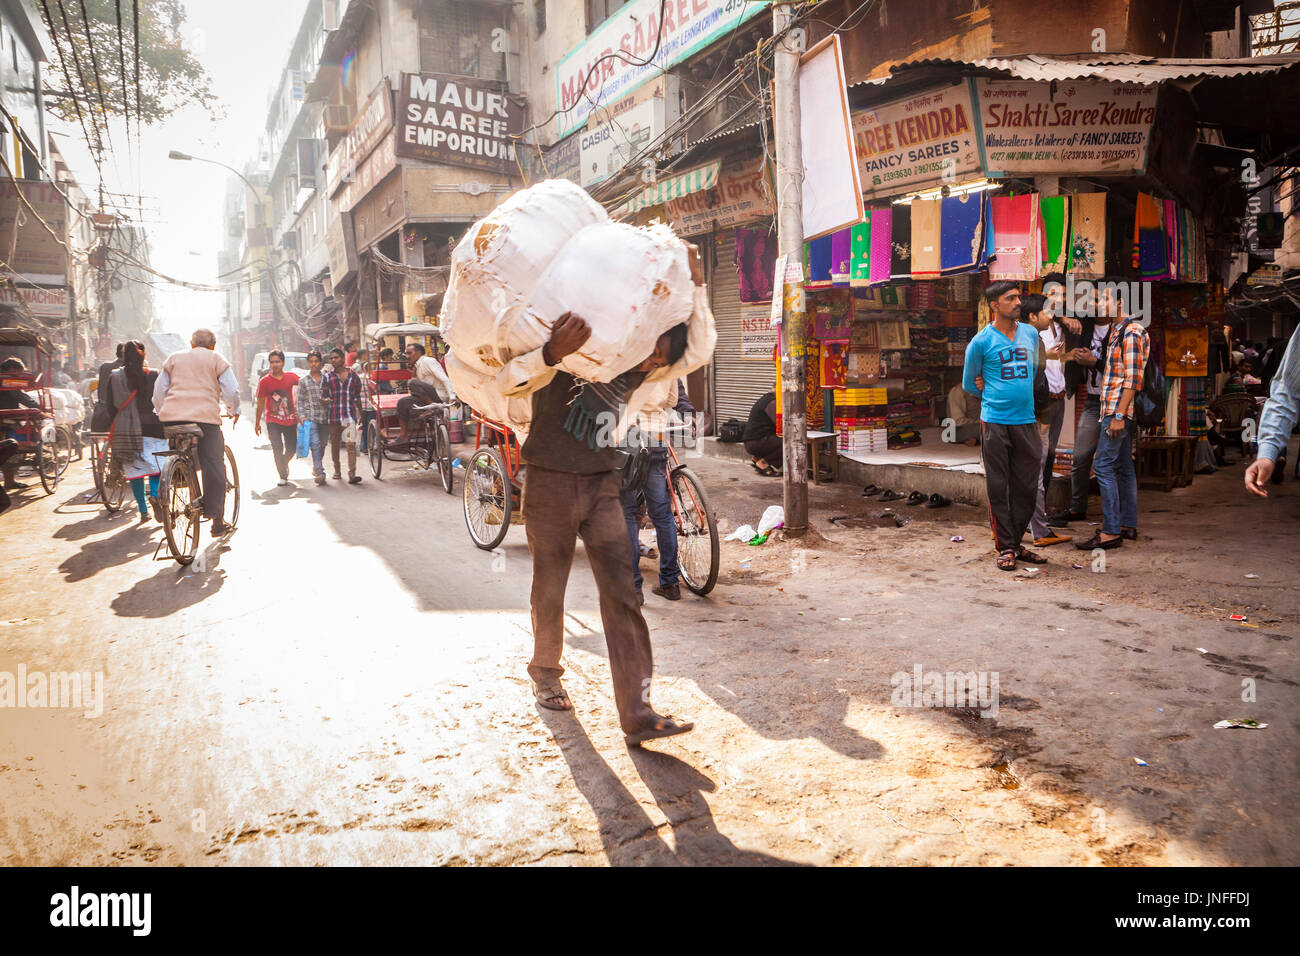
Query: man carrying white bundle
(571, 489)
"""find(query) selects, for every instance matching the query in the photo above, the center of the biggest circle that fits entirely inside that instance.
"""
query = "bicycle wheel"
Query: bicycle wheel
(442, 457)
(374, 450)
(230, 511)
(109, 482)
(47, 464)
(488, 501)
(63, 448)
(182, 508)
(697, 532)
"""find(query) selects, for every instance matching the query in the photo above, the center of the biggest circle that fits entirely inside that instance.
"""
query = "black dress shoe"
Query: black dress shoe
(1128, 534)
(1095, 542)
(1063, 518)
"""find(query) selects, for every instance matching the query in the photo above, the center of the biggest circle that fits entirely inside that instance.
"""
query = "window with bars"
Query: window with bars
(539, 15)
(458, 38)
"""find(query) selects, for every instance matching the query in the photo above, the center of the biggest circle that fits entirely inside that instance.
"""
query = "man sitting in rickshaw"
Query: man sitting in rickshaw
(12, 399)
(428, 384)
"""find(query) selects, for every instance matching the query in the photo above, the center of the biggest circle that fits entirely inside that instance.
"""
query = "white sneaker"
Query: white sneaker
(285, 482)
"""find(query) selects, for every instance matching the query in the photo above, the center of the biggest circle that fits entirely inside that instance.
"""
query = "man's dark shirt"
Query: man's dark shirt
(761, 424)
(574, 424)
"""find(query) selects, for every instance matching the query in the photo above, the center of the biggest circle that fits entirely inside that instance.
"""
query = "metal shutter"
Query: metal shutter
(737, 382)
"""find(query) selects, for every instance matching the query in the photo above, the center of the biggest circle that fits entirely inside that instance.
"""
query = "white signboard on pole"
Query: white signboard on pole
(832, 191)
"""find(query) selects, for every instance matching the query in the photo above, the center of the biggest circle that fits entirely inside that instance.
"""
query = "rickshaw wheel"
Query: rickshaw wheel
(47, 465)
(488, 498)
(442, 457)
(63, 448)
(376, 452)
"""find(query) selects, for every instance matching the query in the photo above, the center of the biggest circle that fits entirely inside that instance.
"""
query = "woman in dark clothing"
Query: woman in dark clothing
(137, 435)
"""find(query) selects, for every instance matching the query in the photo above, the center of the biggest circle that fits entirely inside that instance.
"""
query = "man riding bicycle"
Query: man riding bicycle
(189, 391)
(428, 384)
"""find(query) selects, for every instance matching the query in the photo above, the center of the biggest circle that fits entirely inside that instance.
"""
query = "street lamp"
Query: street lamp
(177, 154)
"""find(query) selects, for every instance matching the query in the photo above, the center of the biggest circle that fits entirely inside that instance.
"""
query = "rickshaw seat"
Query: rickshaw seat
(176, 431)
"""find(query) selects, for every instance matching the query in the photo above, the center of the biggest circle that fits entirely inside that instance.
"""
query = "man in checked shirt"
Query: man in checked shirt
(311, 408)
(342, 396)
(1126, 358)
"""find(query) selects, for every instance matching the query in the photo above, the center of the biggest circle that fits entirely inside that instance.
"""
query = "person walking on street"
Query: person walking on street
(189, 390)
(136, 434)
(1001, 362)
(1276, 422)
(342, 395)
(311, 408)
(275, 398)
(571, 490)
(653, 428)
(1126, 359)
(1083, 374)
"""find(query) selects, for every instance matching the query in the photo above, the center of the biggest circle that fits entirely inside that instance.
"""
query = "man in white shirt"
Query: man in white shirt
(428, 384)
(1036, 310)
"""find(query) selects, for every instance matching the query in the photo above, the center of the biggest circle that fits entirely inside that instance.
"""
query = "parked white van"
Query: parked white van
(293, 362)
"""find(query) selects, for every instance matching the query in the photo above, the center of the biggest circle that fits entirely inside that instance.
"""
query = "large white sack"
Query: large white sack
(480, 392)
(69, 409)
(497, 264)
(631, 284)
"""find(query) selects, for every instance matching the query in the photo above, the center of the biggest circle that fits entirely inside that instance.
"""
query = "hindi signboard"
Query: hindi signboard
(375, 119)
(457, 120)
(610, 60)
(742, 194)
(1064, 127)
(29, 248)
(757, 334)
(917, 142)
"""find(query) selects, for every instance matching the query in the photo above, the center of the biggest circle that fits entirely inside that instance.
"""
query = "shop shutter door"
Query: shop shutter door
(737, 382)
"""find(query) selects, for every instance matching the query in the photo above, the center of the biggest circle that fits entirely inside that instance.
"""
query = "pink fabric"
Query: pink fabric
(1018, 244)
(882, 225)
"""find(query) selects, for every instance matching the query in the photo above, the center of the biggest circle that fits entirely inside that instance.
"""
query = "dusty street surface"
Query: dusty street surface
(346, 684)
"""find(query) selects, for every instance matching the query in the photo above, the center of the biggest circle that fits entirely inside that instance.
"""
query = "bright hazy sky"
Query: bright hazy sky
(243, 44)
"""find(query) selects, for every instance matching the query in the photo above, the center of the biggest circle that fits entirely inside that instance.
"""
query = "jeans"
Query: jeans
(366, 418)
(660, 510)
(1049, 430)
(1117, 477)
(212, 467)
(284, 445)
(318, 436)
(1085, 447)
(560, 507)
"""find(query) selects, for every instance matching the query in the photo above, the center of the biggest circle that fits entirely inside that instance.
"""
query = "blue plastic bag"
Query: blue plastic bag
(304, 439)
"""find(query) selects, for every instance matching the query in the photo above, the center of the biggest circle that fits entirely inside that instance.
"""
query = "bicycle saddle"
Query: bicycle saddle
(176, 431)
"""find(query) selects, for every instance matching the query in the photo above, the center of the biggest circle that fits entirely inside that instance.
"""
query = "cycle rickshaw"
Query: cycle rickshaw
(42, 445)
(428, 437)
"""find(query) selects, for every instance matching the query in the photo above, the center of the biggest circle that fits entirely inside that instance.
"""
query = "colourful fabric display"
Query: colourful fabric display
(1016, 239)
(882, 220)
(1087, 235)
(841, 253)
(1055, 212)
(1150, 254)
(860, 252)
(1171, 239)
(818, 257)
(925, 238)
(1194, 390)
(755, 264)
(900, 244)
(961, 233)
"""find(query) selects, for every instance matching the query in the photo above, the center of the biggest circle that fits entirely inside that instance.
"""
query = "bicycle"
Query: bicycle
(698, 547)
(180, 499)
(110, 484)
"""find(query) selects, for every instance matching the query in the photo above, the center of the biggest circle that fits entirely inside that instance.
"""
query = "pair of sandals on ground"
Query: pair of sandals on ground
(935, 500)
(761, 466)
(554, 697)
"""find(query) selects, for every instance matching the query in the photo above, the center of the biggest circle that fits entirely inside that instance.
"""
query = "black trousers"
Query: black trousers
(1012, 457)
(769, 449)
(212, 467)
(284, 446)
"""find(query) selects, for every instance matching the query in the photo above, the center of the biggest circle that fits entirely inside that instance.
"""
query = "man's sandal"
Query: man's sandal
(550, 695)
(1007, 561)
(1031, 557)
(660, 725)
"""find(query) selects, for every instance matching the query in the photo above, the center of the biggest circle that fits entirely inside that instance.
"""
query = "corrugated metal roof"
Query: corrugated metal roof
(1112, 68)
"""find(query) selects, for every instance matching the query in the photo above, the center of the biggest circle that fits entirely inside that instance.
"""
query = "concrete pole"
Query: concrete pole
(789, 193)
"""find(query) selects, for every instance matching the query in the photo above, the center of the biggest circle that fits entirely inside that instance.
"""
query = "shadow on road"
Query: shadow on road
(173, 588)
(627, 833)
(122, 547)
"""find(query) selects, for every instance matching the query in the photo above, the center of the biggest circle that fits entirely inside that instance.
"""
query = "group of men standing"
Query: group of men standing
(1022, 366)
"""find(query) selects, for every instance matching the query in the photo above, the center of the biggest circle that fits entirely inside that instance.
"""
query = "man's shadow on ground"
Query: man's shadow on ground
(628, 835)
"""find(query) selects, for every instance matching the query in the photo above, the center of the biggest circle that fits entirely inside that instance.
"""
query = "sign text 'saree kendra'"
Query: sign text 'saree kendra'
(610, 60)
(1078, 127)
(916, 142)
(457, 120)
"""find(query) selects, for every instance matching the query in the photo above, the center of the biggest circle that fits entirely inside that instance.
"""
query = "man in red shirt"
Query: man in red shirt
(275, 398)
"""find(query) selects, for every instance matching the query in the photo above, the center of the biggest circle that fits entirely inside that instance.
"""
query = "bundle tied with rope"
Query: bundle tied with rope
(548, 250)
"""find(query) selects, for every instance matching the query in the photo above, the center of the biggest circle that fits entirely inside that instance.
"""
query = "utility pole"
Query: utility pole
(104, 224)
(789, 205)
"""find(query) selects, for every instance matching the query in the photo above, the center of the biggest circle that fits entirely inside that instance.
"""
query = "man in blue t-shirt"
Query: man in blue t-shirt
(1001, 362)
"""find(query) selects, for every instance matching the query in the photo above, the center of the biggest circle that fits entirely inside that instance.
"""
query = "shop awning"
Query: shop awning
(683, 184)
